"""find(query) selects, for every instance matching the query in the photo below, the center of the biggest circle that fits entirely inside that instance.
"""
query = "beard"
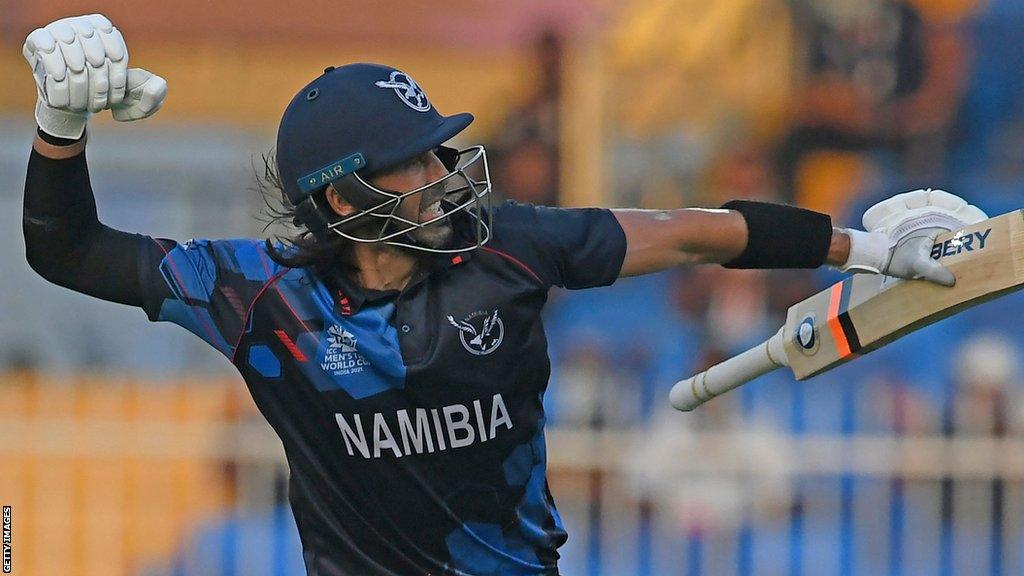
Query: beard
(435, 235)
(431, 207)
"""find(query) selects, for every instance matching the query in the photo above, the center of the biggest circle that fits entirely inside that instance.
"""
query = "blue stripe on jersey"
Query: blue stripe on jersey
(195, 319)
(249, 260)
(189, 274)
(358, 354)
(533, 508)
(305, 296)
(482, 548)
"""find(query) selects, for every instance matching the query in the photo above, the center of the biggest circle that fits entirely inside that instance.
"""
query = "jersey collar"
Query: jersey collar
(349, 297)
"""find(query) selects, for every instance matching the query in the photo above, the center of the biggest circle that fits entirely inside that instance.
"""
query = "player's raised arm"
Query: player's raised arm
(80, 65)
(744, 234)
(80, 68)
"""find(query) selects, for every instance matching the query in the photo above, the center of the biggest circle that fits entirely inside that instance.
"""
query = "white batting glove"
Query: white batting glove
(901, 231)
(80, 65)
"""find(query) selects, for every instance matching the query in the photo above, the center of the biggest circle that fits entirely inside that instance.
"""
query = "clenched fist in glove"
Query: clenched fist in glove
(901, 231)
(80, 66)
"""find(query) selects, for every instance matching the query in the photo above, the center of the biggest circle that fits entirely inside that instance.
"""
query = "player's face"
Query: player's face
(421, 207)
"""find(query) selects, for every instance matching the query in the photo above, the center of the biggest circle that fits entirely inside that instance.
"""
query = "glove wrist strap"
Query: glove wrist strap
(869, 252)
(60, 123)
(927, 221)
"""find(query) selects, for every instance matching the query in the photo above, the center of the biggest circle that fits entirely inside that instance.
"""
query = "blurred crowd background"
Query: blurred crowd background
(132, 449)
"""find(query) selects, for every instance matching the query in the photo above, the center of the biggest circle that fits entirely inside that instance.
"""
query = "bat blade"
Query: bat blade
(867, 311)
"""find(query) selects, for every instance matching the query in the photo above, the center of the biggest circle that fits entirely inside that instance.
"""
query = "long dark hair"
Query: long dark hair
(300, 247)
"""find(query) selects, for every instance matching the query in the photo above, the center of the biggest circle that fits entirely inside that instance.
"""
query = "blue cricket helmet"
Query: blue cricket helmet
(357, 120)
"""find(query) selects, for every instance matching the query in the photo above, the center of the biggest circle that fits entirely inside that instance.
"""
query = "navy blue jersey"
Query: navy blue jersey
(412, 421)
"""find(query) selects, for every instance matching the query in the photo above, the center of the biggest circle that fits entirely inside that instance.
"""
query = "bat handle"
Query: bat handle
(736, 371)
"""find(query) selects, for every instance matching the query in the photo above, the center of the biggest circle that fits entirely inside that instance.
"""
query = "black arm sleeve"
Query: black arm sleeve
(66, 243)
(781, 236)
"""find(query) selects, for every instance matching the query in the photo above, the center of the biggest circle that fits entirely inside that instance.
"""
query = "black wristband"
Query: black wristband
(55, 140)
(781, 236)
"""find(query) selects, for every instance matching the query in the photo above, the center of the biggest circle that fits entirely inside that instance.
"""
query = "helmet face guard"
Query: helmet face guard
(462, 195)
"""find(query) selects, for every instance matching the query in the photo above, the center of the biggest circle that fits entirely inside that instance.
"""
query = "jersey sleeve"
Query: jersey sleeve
(206, 286)
(569, 247)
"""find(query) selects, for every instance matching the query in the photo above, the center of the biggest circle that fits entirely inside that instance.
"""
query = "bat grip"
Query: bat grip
(736, 371)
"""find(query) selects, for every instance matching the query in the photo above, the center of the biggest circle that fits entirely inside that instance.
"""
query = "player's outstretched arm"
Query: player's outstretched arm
(897, 239)
(661, 239)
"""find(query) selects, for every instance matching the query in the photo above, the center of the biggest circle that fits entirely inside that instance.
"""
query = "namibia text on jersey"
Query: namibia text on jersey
(423, 430)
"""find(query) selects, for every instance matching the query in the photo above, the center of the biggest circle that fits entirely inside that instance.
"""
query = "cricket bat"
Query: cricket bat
(867, 311)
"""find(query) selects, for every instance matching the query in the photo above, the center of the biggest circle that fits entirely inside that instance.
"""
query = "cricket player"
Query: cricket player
(395, 345)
